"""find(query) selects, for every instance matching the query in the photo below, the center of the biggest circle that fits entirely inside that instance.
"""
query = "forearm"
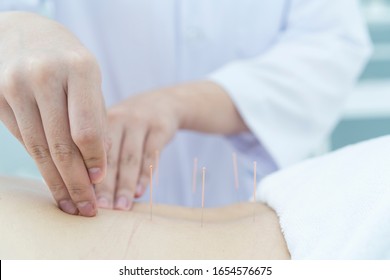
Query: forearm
(207, 107)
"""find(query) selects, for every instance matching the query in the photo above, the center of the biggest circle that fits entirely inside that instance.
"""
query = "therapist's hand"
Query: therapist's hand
(137, 128)
(51, 101)
(144, 124)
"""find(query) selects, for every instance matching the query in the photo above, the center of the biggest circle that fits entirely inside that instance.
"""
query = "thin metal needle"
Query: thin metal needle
(254, 190)
(157, 162)
(203, 178)
(194, 171)
(151, 192)
(235, 171)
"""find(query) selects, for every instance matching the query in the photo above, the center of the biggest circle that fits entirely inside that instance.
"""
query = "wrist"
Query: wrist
(206, 107)
(188, 104)
(196, 101)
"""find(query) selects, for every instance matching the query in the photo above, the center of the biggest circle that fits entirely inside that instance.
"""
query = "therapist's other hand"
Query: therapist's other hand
(51, 101)
(142, 125)
(138, 129)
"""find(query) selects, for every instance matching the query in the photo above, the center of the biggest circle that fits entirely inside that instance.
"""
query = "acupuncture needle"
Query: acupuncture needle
(254, 190)
(194, 171)
(235, 171)
(157, 161)
(151, 192)
(203, 178)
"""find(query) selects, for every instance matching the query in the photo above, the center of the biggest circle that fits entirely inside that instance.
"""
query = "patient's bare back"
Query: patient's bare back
(34, 228)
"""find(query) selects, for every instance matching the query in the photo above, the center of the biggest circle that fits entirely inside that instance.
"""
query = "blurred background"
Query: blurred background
(368, 111)
(367, 114)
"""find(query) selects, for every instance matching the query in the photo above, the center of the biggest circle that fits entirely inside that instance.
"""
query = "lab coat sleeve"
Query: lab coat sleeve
(292, 95)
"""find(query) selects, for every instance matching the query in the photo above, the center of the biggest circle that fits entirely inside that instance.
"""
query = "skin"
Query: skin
(141, 126)
(36, 229)
(51, 101)
(48, 84)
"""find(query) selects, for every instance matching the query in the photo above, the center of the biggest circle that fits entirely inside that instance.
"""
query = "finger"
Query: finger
(105, 191)
(107, 145)
(8, 118)
(155, 141)
(87, 116)
(65, 154)
(129, 167)
(33, 137)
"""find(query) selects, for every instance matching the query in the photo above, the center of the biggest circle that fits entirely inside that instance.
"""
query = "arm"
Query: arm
(292, 95)
(144, 124)
(36, 229)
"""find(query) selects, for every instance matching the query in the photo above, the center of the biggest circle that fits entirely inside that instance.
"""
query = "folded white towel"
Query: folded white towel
(336, 206)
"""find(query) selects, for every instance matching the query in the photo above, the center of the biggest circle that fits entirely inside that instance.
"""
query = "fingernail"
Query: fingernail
(95, 174)
(86, 208)
(68, 207)
(139, 189)
(102, 202)
(122, 203)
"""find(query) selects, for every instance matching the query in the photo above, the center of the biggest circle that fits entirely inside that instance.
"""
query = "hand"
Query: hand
(138, 129)
(142, 125)
(51, 101)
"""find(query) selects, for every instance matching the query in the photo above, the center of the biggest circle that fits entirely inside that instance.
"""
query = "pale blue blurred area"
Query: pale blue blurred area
(14, 160)
(368, 110)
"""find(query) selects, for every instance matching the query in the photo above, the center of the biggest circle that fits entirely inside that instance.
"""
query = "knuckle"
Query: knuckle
(40, 153)
(63, 153)
(161, 127)
(12, 79)
(81, 60)
(85, 136)
(43, 69)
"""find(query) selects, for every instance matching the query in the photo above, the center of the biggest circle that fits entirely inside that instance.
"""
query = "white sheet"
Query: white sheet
(336, 206)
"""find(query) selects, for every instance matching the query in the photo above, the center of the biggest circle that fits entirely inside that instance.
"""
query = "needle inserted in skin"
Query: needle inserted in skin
(203, 177)
(194, 171)
(235, 171)
(157, 161)
(254, 190)
(151, 192)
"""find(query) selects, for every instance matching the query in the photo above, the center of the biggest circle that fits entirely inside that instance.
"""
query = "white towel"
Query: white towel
(336, 206)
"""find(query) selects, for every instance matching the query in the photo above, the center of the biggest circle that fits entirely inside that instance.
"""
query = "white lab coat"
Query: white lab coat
(288, 65)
